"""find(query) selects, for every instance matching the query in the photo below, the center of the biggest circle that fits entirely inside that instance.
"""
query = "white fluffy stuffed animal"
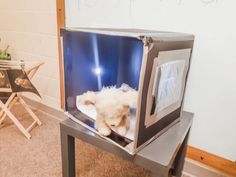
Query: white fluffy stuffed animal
(112, 106)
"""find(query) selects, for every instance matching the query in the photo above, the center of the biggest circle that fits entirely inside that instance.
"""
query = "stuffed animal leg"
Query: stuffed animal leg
(101, 126)
(87, 98)
(123, 127)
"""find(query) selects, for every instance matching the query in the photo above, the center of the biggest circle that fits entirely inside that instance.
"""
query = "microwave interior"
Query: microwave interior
(93, 61)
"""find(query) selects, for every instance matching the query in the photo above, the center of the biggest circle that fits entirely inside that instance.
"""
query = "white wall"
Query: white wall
(211, 90)
(29, 27)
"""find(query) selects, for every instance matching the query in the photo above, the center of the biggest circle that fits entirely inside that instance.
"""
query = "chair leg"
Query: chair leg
(2, 113)
(9, 106)
(16, 122)
(29, 110)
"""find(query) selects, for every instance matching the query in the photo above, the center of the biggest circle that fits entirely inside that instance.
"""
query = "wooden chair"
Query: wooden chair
(16, 97)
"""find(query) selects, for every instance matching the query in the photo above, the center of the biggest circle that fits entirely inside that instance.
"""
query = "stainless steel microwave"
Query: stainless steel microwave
(154, 63)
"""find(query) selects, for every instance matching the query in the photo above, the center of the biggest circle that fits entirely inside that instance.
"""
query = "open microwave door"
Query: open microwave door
(163, 85)
(167, 84)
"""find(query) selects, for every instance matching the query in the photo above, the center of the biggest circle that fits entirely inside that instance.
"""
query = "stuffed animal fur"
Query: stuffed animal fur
(113, 108)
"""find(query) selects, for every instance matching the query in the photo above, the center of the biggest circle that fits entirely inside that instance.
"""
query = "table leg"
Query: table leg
(68, 154)
(14, 119)
(180, 158)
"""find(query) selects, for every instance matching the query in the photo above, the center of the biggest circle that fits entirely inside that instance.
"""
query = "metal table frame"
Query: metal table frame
(163, 157)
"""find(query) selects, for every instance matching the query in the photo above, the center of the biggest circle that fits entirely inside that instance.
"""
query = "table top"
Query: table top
(160, 152)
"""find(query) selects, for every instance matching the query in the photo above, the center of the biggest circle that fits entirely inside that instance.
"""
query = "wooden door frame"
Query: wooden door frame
(60, 6)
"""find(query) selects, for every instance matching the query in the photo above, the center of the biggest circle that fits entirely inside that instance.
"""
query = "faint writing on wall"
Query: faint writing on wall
(117, 3)
(207, 2)
(94, 3)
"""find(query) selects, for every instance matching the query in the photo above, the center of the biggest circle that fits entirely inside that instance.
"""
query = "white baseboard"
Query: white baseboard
(196, 169)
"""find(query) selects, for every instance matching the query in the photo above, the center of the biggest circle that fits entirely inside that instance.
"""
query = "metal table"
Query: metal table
(163, 157)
